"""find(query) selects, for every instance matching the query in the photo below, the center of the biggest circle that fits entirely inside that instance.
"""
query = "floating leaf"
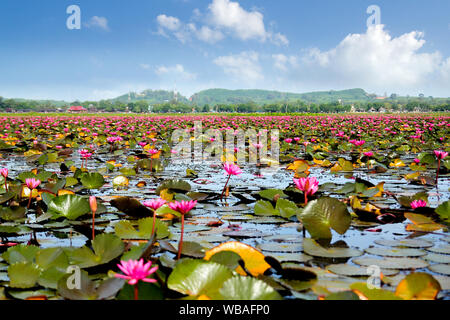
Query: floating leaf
(392, 263)
(198, 277)
(247, 288)
(397, 252)
(325, 213)
(253, 259)
(418, 286)
(312, 248)
(270, 194)
(69, 205)
(120, 181)
(265, 208)
(106, 248)
(23, 274)
(366, 293)
(444, 210)
(92, 180)
(125, 230)
(421, 223)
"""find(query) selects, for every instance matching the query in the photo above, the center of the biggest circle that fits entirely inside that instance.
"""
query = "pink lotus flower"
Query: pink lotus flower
(309, 186)
(153, 151)
(232, 169)
(368, 154)
(154, 204)
(135, 271)
(183, 207)
(417, 161)
(32, 183)
(4, 172)
(288, 140)
(440, 155)
(418, 204)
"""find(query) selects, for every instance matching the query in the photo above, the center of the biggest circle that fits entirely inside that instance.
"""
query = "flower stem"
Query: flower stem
(93, 225)
(180, 244)
(306, 198)
(136, 292)
(437, 171)
(153, 224)
(29, 199)
(226, 183)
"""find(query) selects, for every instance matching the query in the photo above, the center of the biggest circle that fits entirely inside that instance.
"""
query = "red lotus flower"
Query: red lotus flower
(154, 204)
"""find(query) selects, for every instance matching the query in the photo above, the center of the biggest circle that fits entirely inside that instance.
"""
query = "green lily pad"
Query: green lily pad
(392, 263)
(70, 206)
(438, 258)
(280, 247)
(176, 185)
(229, 259)
(92, 180)
(247, 288)
(397, 252)
(325, 213)
(23, 274)
(12, 213)
(441, 268)
(269, 194)
(265, 208)
(312, 248)
(286, 208)
(344, 269)
(20, 253)
(374, 293)
(89, 290)
(411, 243)
(131, 207)
(106, 248)
(198, 277)
(442, 249)
(125, 229)
(444, 210)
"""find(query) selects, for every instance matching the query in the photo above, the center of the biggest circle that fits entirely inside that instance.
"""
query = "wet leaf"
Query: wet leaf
(418, 286)
(92, 180)
(247, 288)
(23, 274)
(70, 206)
(325, 213)
(253, 259)
(312, 248)
(198, 277)
(366, 293)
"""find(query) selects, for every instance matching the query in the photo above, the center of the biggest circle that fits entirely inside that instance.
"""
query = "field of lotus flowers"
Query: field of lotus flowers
(341, 207)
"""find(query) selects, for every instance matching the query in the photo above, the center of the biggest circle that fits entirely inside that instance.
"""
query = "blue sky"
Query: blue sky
(191, 45)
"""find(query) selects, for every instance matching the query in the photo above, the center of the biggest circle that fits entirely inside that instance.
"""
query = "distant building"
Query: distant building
(380, 98)
(76, 109)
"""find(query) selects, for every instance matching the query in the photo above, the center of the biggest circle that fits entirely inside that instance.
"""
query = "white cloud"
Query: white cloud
(243, 66)
(206, 34)
(283, 62)
(98, 22)
(224, 17)
(230, 15)
(144, 66)
(373, 60)
(176, 70)
(167, 22)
